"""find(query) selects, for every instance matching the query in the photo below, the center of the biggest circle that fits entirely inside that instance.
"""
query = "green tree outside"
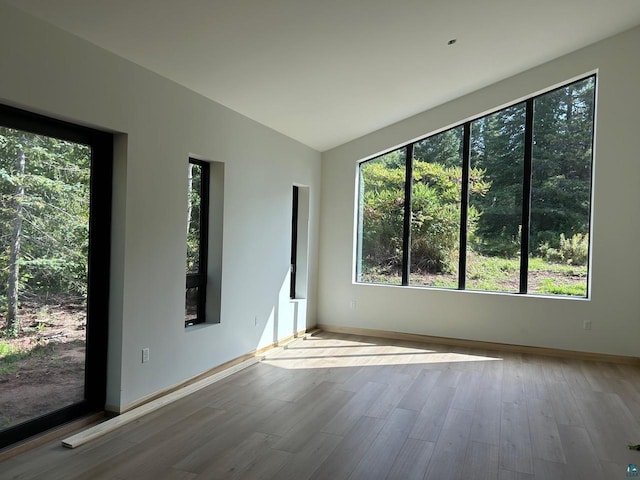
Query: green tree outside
(44, 187)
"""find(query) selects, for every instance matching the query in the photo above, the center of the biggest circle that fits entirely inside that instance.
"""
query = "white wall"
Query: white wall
(161, 124)
(614, 308)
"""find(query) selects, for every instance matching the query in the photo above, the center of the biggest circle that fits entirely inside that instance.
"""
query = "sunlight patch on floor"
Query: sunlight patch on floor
(319, 354)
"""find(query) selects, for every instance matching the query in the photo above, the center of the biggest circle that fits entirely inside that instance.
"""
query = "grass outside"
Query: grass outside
(10, 355)
(496, 274)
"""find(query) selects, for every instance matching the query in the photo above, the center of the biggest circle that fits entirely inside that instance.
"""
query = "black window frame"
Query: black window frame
(294, 243)
(199, 279)
(464, 197)
(99, 261)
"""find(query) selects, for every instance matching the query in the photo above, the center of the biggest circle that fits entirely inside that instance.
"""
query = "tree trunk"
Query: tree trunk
(189, 189)
(13, 322)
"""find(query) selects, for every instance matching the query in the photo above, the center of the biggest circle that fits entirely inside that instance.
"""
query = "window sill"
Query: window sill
(199, 326)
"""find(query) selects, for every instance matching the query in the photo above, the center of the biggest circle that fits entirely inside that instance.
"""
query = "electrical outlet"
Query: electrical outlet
(587, 325)
(145, 355)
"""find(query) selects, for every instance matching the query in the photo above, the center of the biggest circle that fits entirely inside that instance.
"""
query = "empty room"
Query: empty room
(319, 240)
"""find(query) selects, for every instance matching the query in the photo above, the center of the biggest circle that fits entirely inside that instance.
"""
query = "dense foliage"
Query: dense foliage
(435, 206)
(193, 218)
(44, 216)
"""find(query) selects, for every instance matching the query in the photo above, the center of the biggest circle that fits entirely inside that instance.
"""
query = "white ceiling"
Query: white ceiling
(327, 71)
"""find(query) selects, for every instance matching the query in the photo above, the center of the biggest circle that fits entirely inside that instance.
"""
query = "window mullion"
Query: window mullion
(526, 197)
(406, 230)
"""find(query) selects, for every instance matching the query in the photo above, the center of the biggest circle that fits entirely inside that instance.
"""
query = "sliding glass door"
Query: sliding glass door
(55, 186)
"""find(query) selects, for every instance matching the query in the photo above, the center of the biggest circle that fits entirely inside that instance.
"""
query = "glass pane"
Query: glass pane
(561, 190)
(191, 306)
(193, 218)
(495, 201)
(435, 206)
(44, 238)
(381, 217)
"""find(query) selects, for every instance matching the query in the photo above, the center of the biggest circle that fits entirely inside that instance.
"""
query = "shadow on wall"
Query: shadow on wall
(285, 318)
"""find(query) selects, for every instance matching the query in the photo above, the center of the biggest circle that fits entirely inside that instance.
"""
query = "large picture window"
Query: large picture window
(500, 203)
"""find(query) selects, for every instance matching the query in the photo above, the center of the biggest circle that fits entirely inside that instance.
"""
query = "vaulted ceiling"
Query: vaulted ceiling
(327, 71)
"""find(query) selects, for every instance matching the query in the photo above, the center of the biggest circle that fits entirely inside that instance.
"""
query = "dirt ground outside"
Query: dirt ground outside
(42, 368)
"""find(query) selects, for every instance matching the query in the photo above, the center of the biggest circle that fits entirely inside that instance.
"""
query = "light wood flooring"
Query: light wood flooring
(347, 407)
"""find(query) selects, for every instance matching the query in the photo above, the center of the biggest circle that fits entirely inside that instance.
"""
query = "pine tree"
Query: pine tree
(561, 175)
(44, 184)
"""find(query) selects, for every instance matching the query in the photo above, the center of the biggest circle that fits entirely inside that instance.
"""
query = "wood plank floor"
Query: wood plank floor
(336, 406)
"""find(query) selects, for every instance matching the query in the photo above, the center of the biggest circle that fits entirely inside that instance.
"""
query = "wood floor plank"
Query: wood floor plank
(574, 375)
(304, 463)
(545, 439)
(509, 475)
(450, 451)
(397, 387)
(174, 474)
(347, 455)
(552, 369)
(629, 393)
(632, 402)
(152, 474)
(597, 377)
(534, 380)
(227, 434)
(294, 386)
(287, 418)
(231, 394)
(482, 461)
(515, 438)
(324, 409)
(241, 461)
(485, 427)
(629, 373)
(610, 425)
(54, 461)
(412, 461)
(159, 451)
(512, 380)
(467, 390)
(579, 452)
(363, 375)
(564, 404)
(262, 375)
(417, 394)
(431, 418)
(551, 470)
(450, 375)
(381, 455)
(355, 408)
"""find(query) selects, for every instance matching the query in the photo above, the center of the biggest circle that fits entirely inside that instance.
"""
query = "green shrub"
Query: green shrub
(503, 244)
(435, 212)
(382, 216)
(573, 251)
